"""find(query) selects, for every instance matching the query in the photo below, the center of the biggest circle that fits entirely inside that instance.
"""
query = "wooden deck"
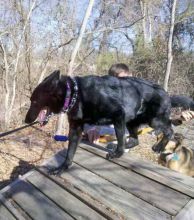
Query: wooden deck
(94, 188)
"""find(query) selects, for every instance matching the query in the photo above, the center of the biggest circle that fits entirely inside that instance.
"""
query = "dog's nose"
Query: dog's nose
(28, 118)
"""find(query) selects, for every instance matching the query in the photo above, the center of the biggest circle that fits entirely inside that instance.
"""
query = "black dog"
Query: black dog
(124, 102)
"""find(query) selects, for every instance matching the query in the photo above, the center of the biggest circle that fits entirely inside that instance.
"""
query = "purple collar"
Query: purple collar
(69, 97)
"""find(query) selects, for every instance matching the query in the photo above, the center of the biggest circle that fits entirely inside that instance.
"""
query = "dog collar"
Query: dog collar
(173, 156)
(67, 104)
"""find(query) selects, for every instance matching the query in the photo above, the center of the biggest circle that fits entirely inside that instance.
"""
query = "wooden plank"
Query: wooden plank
(35, 203)
(62, 198)
(112, 196)
(140, 186)
(175, 180)
(12, 209)
(187, 213)
(5, 214)
(86, 198)
(54, 161)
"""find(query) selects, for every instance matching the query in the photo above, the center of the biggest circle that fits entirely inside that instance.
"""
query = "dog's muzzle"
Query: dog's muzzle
(44, 116)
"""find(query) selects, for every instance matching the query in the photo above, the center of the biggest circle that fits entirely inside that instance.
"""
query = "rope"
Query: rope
(17, 129)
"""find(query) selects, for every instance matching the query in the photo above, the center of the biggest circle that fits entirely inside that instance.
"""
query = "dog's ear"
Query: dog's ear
(53, 86)
(170, 146)
(56, 74)
(53, 76)
(51, 81)
(178, 138)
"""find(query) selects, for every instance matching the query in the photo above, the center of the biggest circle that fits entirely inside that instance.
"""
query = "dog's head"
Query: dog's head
(47, 98)
(175, 142)
(171, 147)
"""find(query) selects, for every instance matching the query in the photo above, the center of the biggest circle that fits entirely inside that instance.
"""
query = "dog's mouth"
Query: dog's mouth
(43, 116)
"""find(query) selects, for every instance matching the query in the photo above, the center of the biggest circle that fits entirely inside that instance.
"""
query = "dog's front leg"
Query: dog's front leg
(75, 134)
(120, 134)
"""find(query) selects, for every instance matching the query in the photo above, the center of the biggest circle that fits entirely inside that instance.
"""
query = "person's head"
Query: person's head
(119, 70)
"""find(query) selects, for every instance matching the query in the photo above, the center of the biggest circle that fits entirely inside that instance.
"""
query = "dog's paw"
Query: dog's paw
(115, 154)
(156, 148)
(111, 147)
(58, 171)
(131, 144)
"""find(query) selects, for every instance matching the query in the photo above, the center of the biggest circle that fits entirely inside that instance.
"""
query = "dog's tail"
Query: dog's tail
(184, 102)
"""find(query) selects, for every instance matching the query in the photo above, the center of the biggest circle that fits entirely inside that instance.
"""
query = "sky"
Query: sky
(44, 25)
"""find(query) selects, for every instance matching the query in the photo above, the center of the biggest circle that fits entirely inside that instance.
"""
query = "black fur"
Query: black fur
(182, 101)
(124, 102)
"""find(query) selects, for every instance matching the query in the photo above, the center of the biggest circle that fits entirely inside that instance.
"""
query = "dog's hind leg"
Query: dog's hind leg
(119, 126)
(133, 138)
(164, 126)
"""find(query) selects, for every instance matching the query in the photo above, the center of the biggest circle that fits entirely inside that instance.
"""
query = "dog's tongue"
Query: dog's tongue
(42, 117)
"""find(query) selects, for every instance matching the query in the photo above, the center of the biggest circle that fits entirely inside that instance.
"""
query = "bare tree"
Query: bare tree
(143, 5)
(32, 47)
(170, 40)
(11, 69)
(62, 119)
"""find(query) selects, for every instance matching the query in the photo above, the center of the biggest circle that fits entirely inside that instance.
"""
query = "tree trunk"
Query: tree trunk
(150, 23)
(62, 119)
(143, 6)
(10, 75)
(170, 40)
(79, 40)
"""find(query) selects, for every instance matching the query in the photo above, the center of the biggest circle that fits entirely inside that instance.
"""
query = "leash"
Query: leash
(17, 129)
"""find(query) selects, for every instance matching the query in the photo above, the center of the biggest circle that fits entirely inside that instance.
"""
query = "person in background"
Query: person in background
(93, 132)
(119, 70)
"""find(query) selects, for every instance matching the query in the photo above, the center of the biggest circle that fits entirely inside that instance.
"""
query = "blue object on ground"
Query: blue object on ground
(60, 138)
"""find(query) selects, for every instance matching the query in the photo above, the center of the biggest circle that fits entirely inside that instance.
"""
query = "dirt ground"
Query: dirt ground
(23, 150)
